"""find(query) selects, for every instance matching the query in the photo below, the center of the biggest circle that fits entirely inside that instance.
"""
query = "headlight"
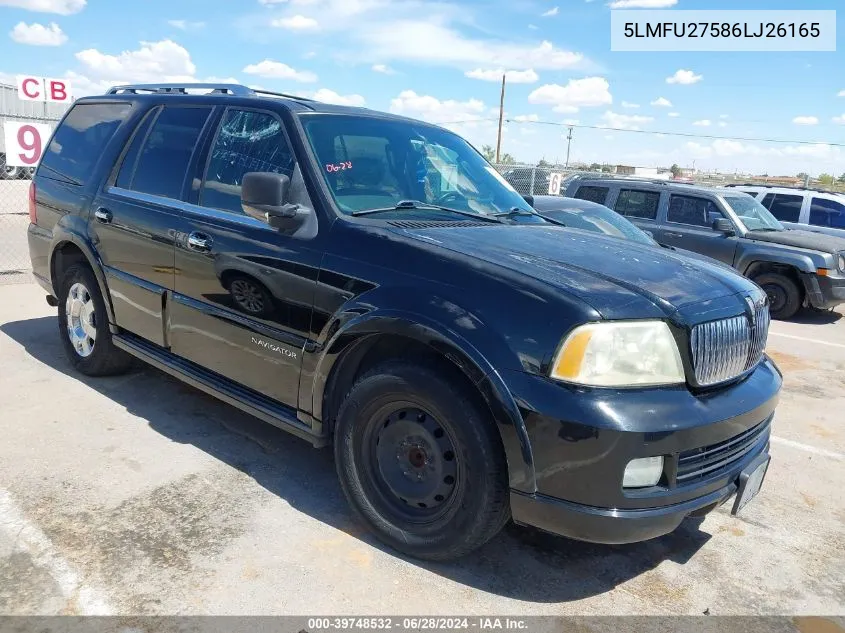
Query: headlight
(643, 473)
(619, 354)
(842, 263)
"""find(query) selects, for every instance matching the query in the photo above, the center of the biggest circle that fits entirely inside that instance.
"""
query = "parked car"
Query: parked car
(469, 361)
(794, 267)
(808, 209)
(584, 215)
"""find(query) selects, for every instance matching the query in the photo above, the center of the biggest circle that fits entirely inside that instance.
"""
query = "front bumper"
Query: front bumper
(824, 293)
(608, 526)
(582, 439)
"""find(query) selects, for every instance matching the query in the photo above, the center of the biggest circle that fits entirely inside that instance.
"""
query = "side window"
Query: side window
(81, 139)
(638, 204)
(593, 194)
(247, 141)
(163, 161)
(825, 212)
(692, 210)
(130, 159)
(767, 200)
(786, 208)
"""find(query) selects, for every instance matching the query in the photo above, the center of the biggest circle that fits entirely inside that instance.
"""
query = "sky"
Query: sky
(442, 61)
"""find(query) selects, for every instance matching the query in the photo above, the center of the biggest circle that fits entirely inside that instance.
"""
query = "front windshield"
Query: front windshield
(753, 215)
(375, 163)
(602, 220)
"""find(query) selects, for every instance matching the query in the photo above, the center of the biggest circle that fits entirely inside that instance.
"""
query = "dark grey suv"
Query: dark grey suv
(794, 267)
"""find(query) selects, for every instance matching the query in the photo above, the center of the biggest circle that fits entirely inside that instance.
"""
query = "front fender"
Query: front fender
(804, 262)
(463, 353)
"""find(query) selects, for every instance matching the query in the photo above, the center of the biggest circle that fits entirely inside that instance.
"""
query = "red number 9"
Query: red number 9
(31, 148)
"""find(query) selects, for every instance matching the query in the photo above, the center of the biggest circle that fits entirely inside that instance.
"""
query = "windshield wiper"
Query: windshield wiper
(515, 212)
(413, 205)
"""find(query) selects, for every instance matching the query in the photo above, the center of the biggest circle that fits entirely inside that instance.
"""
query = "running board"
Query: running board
(215, 385)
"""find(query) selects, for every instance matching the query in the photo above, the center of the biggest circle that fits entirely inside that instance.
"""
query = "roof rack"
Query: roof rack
(770, 186)
(634, 178)
(236, 90)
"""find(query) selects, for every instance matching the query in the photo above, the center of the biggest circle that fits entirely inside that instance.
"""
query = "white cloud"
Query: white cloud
(38, 35)
(684, 77)
(662, 102)
(185, 25)
(154, 61)
(296, 23)
(628, 104)
(625, 121)
(806, 120)
(62, 7)
(383, 69)
(330, 96)
(431, 109)
(841, 93)
(642, 4)
(522, 118)
(550, 12)
(430, 42)
(514, 76)
(723, 116)
(588, 92)
(674, 114)
(703, 123)
(534, 27)
(278, 70)
(840, 120)
(722, 124)
(570, 121)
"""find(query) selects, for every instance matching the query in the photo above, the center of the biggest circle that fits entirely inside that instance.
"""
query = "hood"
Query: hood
(618, 278)
(800, 239)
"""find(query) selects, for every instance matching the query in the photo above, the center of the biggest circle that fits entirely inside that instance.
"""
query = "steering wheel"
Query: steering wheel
(449, 195)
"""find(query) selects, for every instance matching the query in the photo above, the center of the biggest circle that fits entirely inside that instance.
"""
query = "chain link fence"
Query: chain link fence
(14, 220)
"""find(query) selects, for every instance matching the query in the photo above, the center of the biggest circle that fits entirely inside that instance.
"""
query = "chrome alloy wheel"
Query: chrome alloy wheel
(81, 320)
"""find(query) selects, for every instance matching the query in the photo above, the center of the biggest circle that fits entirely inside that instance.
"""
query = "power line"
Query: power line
(681, 134)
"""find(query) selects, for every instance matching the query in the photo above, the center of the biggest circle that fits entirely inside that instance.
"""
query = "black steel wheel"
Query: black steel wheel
(783, 293)
(421, 462)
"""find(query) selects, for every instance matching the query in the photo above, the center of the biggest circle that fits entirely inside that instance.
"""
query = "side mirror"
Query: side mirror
(529, 199)
(649, 233)
(264, 197)
(723, 225)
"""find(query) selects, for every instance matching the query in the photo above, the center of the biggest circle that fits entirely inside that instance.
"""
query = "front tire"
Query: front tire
(784, 295)
(84, 325)
(420, 462)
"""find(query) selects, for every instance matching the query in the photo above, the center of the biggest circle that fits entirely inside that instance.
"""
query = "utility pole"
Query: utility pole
(568, 147)
(501, 118)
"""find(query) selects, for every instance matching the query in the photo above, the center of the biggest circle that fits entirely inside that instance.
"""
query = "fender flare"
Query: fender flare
(457, 349)
(68, 235)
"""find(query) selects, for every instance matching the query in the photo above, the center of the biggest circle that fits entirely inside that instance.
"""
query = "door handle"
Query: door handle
(103, 215)
(675, 235)
(199, 242)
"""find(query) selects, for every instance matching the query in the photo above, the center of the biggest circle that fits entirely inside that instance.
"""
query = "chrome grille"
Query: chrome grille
(725, 349)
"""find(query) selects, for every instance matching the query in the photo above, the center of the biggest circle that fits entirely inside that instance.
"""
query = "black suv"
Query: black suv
(370, 281)
(794, 267)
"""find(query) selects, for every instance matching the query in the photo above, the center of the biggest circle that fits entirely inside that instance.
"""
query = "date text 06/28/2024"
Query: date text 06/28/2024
(721, 30)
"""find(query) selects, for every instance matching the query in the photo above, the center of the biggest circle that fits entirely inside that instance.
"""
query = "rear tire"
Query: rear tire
(784, 295)
(84, 325)
(420, 462)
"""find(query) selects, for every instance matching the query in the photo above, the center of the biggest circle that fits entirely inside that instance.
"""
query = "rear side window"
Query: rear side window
(692, 210)
(825, 212)
(638, 204)
(163, 160)
(81, 139)
(593, 194)
(246, 141)
(786, 208)
(127, 169)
